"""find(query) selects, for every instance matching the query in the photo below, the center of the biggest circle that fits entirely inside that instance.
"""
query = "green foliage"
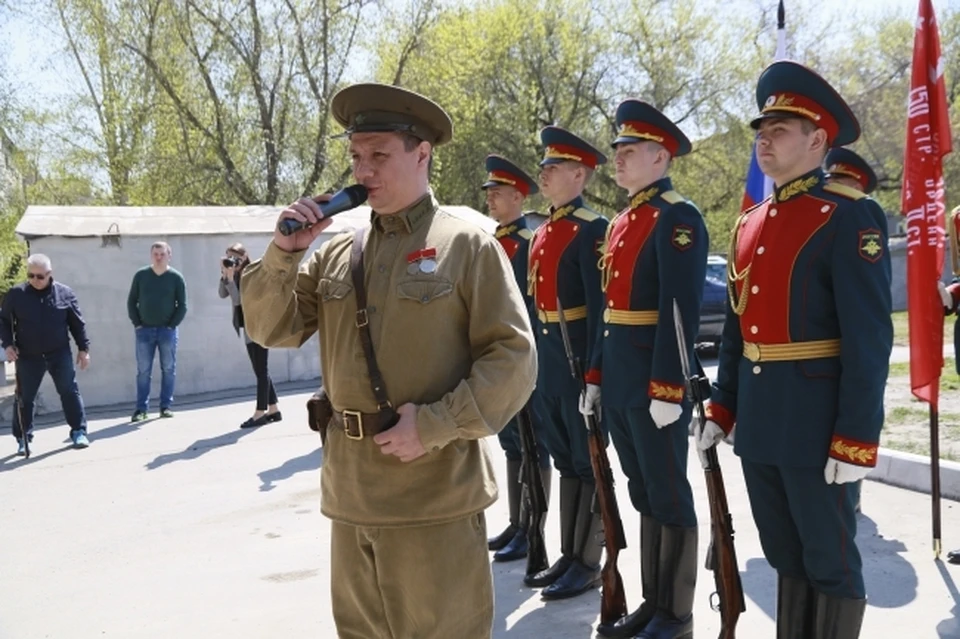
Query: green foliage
(226, 102)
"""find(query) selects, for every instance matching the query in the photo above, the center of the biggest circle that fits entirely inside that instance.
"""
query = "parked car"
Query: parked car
(712, 309)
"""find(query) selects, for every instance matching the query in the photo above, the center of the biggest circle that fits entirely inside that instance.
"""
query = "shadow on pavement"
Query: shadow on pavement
(200, 447)
(311, 461)
(510, 595)
(760, 586)
(12, 462)
(949, 628)
(119, 429)
(891, 581)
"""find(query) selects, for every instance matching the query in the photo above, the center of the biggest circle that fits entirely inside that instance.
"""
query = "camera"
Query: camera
(230, 262)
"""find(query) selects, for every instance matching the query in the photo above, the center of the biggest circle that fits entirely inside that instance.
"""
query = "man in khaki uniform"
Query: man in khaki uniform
(455, 348)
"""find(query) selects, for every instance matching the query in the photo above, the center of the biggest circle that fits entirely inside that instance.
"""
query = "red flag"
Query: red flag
(923, 204)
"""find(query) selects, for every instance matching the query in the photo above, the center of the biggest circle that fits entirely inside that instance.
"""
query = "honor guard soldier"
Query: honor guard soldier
(454, 361)
(951, 299)
(655, 252)
(506, 188)
(950, 294)
(805, 354)
(563, 263)
(845, 167)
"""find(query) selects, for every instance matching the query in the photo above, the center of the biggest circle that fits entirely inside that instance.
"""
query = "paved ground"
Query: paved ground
(192, 528)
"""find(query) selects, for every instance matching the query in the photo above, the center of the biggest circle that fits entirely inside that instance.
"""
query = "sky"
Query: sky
(37, 69)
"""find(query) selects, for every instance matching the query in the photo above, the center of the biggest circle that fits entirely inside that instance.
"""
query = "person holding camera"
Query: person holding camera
(231, 266)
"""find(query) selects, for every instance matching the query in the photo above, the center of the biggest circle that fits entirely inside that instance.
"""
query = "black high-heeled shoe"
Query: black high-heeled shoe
(253, 423)
(273, 417)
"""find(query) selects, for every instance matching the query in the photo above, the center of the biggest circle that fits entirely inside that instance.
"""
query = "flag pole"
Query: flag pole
(935, 477)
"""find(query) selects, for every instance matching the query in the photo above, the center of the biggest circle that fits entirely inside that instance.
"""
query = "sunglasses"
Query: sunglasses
(37, 276)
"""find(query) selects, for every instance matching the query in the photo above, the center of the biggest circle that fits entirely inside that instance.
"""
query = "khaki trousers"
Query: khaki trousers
(417, 582)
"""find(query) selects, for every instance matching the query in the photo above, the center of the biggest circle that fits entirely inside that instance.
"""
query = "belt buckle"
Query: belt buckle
(751, 351)
(353, 414)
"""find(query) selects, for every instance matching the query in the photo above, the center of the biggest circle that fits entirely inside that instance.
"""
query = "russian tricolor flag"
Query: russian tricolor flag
(759, 186)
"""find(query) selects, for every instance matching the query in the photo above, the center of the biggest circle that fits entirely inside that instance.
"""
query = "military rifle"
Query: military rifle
(721, 555)
(534, 494)
(613, 601)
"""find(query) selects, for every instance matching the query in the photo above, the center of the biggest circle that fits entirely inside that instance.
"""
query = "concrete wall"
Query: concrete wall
(210, 356)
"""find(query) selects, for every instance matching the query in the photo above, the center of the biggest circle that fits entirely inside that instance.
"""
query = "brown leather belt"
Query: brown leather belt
(357, 425)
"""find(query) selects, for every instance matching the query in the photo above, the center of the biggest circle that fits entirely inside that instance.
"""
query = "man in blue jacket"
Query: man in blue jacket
(37, 319)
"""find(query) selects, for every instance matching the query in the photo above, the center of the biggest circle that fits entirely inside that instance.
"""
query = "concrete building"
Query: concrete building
(96, 250)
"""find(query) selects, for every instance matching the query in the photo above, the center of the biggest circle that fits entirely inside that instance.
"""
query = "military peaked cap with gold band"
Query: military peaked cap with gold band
(563, 146)
(638, 121)
(503, 172)
(378, 108)
(845, 163)
(790, 90)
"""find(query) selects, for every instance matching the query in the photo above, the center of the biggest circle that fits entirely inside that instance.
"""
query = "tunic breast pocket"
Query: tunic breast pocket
(424, 291)
(330, 290)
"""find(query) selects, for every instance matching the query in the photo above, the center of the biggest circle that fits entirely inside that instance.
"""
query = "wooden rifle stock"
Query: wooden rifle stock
(613, 600)
(534, 494)
(721, 555)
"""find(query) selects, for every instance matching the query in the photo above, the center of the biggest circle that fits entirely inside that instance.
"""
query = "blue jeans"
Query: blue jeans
(150, 339)
(30, 372)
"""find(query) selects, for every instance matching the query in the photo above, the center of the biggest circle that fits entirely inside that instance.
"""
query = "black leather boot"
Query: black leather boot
(569, 498)
(517, 548)
(795, 608)
(677, 581)
(513, 502)
(584, 571)
(636, 621)
(838, 618)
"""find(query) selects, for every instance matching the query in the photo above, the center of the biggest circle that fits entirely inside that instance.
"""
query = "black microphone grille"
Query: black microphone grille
(357, 194)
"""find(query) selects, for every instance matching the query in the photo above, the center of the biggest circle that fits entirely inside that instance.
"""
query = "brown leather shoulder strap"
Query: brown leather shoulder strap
(388, 415)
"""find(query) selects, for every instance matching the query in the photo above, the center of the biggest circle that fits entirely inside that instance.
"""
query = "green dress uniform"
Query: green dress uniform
(408, 541)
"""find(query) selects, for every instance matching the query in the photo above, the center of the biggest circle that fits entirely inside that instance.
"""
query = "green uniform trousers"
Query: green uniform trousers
(416, 582)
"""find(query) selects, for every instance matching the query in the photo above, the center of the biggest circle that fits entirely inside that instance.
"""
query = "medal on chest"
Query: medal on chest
(422, 261)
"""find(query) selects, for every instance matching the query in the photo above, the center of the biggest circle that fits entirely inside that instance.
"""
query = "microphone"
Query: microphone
(343, 200)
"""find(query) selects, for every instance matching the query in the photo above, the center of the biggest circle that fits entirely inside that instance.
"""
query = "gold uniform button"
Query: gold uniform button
(754, 330)
(606, 333)
(825, 208)
(545, 331)
(616, 273)
(541, 251)
(620, 244)
(656, 214)
(541, 278)
(756, 370)
(761, 250)
(773, 212)
(610, 303)
(549, 229)
(755, 290)
(633, 216)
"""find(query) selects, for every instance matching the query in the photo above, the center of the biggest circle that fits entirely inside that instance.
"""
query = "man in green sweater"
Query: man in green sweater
(157, 304)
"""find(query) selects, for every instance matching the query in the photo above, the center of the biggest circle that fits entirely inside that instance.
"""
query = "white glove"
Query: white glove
(712, 435)
(590, 400)
(945, 296)
(664, 413)
(839, 472)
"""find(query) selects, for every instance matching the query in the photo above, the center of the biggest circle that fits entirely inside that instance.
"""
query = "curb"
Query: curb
(910, 471)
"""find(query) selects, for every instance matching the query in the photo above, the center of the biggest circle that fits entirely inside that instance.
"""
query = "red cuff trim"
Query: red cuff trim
(853, 451)
(721, 416)
(666, 392)
(593, 376)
